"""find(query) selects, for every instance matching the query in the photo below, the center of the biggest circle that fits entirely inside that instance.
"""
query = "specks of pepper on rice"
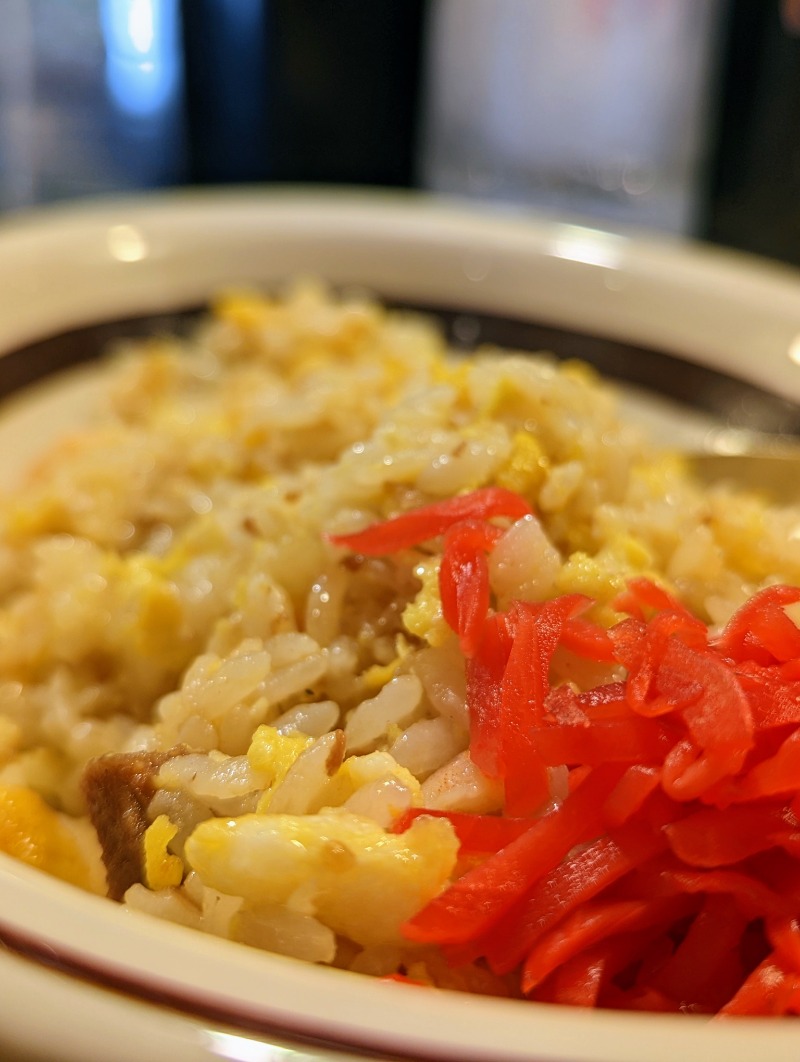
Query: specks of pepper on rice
(304, 785)
(266, 859)
(223, 699)
(461, 786)
(165, 579)
(428, 744)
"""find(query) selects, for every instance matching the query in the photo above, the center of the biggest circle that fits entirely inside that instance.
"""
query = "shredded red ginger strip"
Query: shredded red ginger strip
(419, 525)
(669, 877)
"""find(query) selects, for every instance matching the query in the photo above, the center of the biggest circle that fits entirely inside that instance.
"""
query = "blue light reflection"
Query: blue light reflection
(143, 54)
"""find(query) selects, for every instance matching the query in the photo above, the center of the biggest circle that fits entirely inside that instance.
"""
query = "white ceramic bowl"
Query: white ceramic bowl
(82, 979)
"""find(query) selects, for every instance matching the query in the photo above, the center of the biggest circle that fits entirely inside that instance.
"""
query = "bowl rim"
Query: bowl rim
(481, 252)
(417, 1021)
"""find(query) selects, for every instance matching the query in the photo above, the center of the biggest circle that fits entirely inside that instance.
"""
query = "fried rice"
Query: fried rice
(185, 650)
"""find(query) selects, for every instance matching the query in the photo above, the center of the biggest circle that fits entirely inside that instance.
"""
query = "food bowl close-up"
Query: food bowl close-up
(381, 675)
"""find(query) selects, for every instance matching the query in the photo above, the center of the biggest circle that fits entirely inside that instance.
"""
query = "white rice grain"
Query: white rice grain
(441, 671)
(395, 705)
(324, 606)
(213, 687)
(169, 904)
(383, 800)
(461, 786)
(302, 790)
(210, 777)
(291, 680)
(524, 565)
(279, 929)
(314, 719)
(427, 745)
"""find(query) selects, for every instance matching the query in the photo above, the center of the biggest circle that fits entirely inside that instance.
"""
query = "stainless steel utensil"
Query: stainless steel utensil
(773, 471)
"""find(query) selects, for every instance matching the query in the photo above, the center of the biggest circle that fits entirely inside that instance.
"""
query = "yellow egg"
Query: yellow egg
(162, 869)
(242, 308)
(40, 515)
(502, 397)
(358, 879)
(526, 467)
(377, 675)
(423, 616)
(742, 535)
(357, 771)
(272, 753)
(454, 373)
(10, 738)
(36, 834)
(581, 372)
(159, 617)
(583, 574)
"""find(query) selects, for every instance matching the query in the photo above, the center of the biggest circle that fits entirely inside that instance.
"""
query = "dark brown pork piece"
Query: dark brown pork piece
(118, 788)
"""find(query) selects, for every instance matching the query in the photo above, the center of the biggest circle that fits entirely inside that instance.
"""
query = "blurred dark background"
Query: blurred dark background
(681, 116)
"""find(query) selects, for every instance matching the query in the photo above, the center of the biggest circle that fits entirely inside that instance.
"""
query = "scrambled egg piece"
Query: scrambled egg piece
(423, 616)
(379, 675)
(581, 371)
(526, 467)
(742, 533)
(358, 879)
(606, 574)
(31, 831)
(244, 309)
(357, 771)
(453, 373)
(162, 869)
(10, 737)
(151, 601)
(272, 753)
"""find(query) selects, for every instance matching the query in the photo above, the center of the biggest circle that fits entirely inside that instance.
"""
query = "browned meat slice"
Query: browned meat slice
(118, 789)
